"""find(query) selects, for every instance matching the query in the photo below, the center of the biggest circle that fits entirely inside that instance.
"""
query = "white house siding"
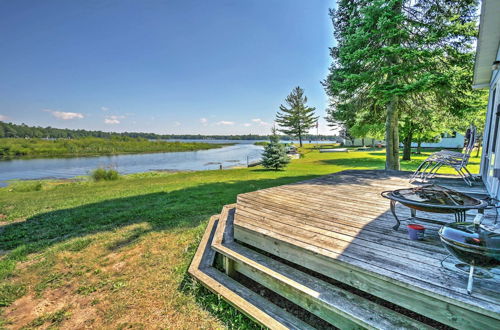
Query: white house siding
(488, 161)
(445, 142)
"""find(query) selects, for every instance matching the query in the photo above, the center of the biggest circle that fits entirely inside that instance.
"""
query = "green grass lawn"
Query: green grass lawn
(114, 254)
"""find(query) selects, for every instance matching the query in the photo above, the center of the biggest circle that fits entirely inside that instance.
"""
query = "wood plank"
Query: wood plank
(428, 277)
(359, 207)
(398, 279)
(335, 305)
(338, 233)
(204, 257)
(372, 200)
(249, 303)
(440, 310)
(219, 235)
(342, 222)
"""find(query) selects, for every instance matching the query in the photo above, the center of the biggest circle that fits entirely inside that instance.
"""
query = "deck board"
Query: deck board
(342, 217)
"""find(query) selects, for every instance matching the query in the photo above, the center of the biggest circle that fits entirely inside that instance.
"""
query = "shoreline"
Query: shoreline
(93, 155)
(83, 178)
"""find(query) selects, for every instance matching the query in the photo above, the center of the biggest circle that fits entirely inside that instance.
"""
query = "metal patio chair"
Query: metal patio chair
(457, 160)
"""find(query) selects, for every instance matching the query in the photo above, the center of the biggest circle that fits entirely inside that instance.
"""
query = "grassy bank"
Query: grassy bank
(17, 147)
(114, 254)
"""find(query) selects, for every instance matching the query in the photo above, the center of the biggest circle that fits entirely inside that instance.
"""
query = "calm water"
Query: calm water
(61, 168)
(235, 155)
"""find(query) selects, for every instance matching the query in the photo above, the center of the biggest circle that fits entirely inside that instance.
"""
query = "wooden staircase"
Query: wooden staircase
(338, 307)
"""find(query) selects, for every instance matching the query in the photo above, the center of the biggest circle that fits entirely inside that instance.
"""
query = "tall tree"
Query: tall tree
(296, 118)
(390, 52)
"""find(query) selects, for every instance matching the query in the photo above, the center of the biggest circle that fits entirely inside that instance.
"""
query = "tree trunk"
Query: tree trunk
(419, 147)
(300, 140)
(407, 146)
(392, 136)
(363, 141)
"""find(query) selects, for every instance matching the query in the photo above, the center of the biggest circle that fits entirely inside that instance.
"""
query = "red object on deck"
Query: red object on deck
(416, 227)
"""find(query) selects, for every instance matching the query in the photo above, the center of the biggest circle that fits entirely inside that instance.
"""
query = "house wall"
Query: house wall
(445, 142)
(488, 162)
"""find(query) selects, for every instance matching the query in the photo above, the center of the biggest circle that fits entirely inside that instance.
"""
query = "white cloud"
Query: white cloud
(65, 115)
(2, 117)
(225, 122)
(104, 109)
(260, 122)
(112, 120)
(176, 123)
(204, 121)
(247, 124)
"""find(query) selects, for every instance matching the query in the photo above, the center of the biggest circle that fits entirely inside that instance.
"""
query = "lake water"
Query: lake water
(61, 168)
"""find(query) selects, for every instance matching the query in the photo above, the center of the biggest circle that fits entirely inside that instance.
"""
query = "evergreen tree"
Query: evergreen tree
(296, 119)
(274, 155)
(390, 53)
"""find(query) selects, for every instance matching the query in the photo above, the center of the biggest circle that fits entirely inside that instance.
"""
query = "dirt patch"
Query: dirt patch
(135, 286)
(29, 308)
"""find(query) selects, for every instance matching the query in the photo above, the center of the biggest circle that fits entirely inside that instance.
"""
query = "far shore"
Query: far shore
(18, 148)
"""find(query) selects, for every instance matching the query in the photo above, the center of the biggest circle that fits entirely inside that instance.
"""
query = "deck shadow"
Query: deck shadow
(162, 211)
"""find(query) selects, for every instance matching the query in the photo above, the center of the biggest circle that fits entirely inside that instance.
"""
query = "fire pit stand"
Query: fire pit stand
(434, 199)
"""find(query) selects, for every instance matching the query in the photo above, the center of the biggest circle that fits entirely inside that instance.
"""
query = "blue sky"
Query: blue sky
(208, 67)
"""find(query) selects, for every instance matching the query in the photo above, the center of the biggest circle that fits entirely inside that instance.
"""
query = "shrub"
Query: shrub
(101, 174)
(26, 186)
(274, 155)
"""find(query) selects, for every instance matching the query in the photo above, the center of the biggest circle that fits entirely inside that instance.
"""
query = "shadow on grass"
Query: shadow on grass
(184, 208)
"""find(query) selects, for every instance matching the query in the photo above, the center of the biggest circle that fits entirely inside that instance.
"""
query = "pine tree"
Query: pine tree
(392, 53)
(296, 119)
(274, 155)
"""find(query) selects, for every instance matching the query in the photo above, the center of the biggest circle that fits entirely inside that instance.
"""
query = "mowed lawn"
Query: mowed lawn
(115, 254)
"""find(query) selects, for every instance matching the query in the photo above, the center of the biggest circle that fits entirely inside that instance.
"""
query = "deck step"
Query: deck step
(239, 296)
(339, 307)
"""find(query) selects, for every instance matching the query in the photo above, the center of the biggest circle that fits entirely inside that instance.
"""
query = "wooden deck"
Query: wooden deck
(339, 226)
(341, 220)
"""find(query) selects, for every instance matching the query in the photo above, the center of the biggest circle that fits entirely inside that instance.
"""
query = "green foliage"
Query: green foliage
(26, 186)
(274, 155)
(403, 63)
(10, 130)
(102, 174)
(261, 143)
(296, 119)
(12, 147)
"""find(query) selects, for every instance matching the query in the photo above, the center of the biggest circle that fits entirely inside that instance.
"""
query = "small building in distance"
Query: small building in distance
(447, 141)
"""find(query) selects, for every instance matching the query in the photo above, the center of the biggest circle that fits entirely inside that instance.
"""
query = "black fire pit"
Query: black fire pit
(435, 199)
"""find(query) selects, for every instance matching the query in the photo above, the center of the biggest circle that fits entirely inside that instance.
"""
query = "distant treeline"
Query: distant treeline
(90, 146)
(9, 130)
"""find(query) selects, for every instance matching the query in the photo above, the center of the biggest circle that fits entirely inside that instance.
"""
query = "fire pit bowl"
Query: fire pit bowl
(435, 199)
